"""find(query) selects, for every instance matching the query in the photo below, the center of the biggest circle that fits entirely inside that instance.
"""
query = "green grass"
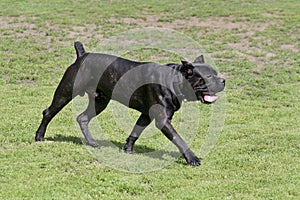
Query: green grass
(255, 45)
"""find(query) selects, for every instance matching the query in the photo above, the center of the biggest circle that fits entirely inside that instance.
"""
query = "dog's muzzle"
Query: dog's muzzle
(205, 96)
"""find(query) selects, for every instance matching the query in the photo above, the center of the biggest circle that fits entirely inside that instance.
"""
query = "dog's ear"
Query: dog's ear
(199, 59)
(187, 68)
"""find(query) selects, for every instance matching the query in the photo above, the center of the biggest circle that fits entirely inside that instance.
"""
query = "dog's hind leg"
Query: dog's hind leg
(62, 96)
(95, 107)
(141, 124)
(59, 101)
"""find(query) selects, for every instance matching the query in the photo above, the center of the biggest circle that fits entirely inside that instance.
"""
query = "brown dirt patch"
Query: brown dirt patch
(290, 47)
(18, 26)
(87, 32)
(47, 31)
(217, 24)
(27, 82)
(244, 30)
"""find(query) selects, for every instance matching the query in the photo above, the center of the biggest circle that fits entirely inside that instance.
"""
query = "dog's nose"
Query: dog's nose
(222, 80)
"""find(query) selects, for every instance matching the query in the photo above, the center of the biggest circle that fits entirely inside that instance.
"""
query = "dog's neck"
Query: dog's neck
(177, 81)
(177, 85)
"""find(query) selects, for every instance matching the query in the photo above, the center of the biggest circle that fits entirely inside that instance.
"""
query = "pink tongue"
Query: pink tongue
(210, 99)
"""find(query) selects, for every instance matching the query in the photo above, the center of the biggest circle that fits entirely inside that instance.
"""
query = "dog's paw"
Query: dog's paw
(92, 143)
(128, 149)
(195, 161)
(191, 159)
(39, 139)
(128, 152)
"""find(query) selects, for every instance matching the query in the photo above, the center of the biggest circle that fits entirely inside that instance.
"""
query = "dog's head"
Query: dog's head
(203, 79)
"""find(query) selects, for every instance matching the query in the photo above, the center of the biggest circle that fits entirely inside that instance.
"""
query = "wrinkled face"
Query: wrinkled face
(205, 82)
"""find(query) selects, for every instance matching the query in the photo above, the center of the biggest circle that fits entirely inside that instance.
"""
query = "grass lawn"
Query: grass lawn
(255, 46)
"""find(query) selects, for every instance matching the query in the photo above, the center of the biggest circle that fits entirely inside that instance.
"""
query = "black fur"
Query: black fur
(99, 75)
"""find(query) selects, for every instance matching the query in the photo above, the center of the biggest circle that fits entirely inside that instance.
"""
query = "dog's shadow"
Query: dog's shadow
(139, 149)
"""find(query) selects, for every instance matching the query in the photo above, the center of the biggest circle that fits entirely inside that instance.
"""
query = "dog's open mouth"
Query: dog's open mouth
(210, 99)
(205, 98)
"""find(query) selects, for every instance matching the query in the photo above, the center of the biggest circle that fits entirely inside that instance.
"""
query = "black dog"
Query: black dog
(157, 91)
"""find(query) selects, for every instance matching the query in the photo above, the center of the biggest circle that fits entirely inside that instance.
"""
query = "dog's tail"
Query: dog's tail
(79, 49)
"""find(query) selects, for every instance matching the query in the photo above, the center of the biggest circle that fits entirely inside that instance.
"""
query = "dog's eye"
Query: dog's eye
(209, 76)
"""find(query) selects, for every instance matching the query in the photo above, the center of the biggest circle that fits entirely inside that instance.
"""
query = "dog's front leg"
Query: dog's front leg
(172, 135)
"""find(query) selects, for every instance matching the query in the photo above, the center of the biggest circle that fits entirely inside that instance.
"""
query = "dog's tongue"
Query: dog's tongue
(210, 99)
